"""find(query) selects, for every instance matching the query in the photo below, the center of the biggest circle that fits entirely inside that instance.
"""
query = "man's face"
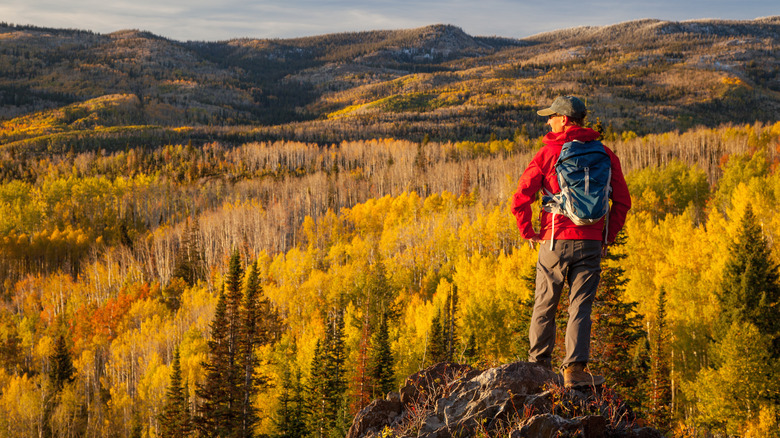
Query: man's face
(557, 122)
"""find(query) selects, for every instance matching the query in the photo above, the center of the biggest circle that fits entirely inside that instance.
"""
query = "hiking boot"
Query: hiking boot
(575, 376)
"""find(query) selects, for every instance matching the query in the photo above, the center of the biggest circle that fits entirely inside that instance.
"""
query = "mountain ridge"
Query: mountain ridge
(644, 75)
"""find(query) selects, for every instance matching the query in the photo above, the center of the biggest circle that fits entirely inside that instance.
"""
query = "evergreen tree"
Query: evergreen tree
(62, 370)
(437, 348)
(750, 290)
(317, 388)
(523, 324)
(471, 350)
(327, 401)
(234, 295)
(292, 410)
(218, 412)
(617, 329)
(189, 265)
(660, 397)
(335, 383)
(247, 340)
(382, 362)
(450, 329)
(243, 321)
(175, 419)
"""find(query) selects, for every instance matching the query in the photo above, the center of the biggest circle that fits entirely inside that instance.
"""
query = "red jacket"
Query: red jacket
(540, 173)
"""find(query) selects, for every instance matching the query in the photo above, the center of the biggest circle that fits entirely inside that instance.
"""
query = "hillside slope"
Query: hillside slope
(644, 76)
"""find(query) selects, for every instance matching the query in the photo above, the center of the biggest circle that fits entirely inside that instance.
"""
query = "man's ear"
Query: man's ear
(566, 121)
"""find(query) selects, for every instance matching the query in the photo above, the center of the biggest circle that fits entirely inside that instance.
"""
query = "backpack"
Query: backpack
(584, 173)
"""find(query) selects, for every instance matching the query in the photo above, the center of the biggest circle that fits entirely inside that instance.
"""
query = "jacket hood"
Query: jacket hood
(573, 133)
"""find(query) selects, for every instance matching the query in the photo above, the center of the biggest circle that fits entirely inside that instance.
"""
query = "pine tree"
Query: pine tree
(335, 383)
(382, 362)
(218, 409)
(750, 290)
(471, 350)
(523, 324)
(437, 348)
(243, 321)
(327, 401)
(248, 339)
(189, 265)
(316, 392)
(175, 419)
(660, 397)
(62, 370)
(617, 328)
(292, 409)
(450, 329)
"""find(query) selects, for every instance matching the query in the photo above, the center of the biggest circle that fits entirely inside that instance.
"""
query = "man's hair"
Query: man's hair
(579, 121)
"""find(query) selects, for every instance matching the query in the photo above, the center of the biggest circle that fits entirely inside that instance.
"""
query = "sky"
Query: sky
(219, 20)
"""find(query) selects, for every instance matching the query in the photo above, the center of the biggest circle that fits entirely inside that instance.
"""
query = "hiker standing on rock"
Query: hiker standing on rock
(577, 176)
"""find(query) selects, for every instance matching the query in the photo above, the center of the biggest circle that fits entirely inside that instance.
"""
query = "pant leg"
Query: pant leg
(583, 278)
(550, 277)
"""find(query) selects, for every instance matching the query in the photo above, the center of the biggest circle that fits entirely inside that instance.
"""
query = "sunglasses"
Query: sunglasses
(552, 116)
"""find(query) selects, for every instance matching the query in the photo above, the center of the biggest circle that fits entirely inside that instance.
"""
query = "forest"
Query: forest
(259, 237)
(371, 260)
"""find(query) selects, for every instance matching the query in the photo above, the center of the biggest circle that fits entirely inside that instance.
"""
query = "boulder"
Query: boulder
(373, 418)
(519, 399)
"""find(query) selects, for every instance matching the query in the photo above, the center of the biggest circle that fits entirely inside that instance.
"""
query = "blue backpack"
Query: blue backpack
(584, 173)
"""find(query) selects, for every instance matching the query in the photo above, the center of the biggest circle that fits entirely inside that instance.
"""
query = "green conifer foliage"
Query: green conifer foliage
(175, 421)
(292, 407)
(450, 329)
(62, 370)
(316, 390)
(189, 265)
(437, 346)
(660, 393)
(523, 323)
(382, 363)
(617, 328)
(336, 411)
(217, 413)
(327, 401)
(249, 336)
(471, 350)
(750, 290)
(244, 320)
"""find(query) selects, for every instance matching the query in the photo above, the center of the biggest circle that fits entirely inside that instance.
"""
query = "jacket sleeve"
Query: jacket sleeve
(529, 185)
(621, 199)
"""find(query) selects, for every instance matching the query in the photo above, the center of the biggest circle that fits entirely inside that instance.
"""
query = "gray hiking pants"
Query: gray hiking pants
(578, 264)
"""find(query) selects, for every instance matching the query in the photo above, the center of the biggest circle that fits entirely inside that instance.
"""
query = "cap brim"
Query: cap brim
(546, 112)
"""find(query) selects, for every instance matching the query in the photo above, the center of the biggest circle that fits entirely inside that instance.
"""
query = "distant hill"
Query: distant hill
(643, 76)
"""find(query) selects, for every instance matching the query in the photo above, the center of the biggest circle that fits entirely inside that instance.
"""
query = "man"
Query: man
(574, 255)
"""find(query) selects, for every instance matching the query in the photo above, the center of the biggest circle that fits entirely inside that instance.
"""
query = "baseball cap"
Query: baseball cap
(566, 106)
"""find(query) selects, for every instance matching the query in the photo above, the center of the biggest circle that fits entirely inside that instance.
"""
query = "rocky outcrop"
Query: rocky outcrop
(517, 400)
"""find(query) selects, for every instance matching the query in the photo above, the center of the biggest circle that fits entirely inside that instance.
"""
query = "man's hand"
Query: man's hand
(534, 240)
